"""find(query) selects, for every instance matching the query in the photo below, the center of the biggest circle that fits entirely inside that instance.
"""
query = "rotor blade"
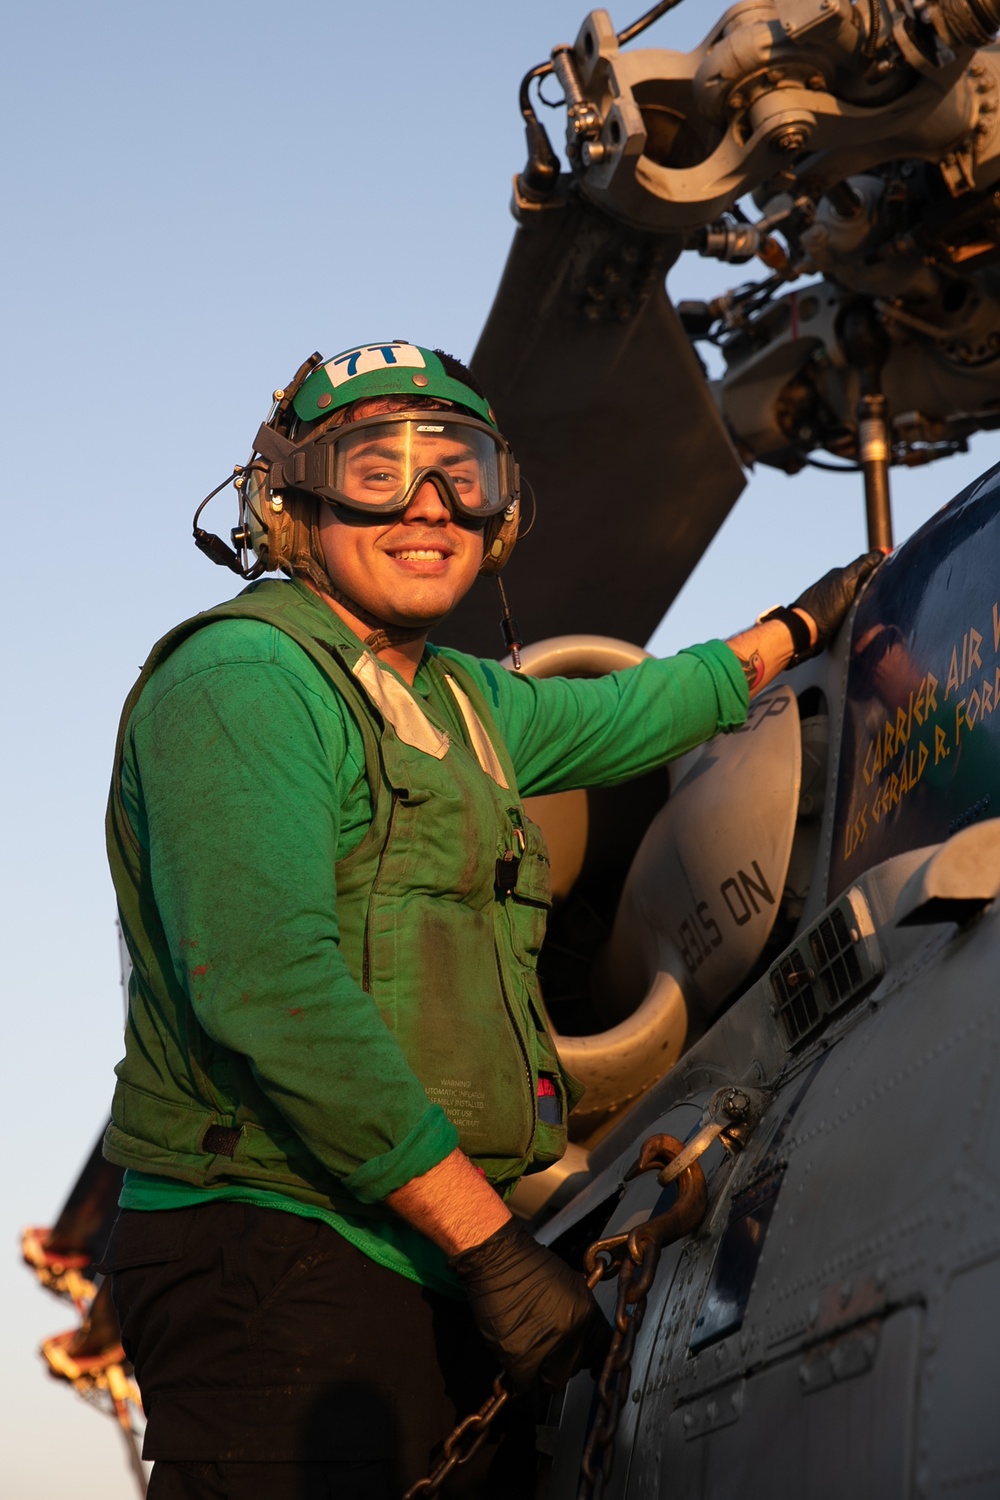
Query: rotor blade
(596, 385)
(86, 1217)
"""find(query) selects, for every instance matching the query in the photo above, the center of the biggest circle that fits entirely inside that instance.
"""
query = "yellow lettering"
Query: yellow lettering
(904, 776)
(996, 630)
(922, 754)
(975, 641)
(889, 748)
(940, 744)
(918, 707)
(953, 681)
(959, 716)
(864, 769)
(877, 762)
(901, 734)
(965, 653)
(893, 789)
(972, 713)
(855, 833)
(932, 683)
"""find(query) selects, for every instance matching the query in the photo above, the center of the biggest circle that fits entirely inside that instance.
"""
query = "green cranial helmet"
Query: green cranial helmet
(298, 450)
(302, 458)
(393, 368)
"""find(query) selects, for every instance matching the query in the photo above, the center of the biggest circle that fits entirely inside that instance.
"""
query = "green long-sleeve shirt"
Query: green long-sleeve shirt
(244, 776)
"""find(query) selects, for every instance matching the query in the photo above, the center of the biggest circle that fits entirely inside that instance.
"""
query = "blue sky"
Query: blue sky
(196, 196)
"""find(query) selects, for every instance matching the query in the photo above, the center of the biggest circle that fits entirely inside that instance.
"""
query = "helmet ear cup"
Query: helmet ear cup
(499, 539)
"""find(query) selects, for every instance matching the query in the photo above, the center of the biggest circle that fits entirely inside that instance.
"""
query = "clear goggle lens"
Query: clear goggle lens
(378, 466)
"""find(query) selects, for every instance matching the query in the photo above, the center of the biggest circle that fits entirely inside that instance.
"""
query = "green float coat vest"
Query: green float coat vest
(442, 909)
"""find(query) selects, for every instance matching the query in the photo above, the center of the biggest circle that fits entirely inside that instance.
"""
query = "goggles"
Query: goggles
(376, 466)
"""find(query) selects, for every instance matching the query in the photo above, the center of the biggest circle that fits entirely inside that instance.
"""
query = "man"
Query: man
(337, 1064)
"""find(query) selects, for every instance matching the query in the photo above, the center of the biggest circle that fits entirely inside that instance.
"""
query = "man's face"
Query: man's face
(408, 570)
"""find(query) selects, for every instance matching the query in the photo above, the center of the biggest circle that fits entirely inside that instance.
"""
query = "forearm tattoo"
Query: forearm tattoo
(753, 669)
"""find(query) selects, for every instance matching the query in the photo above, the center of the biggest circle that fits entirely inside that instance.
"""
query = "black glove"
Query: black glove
(532, 1308)
(829, 600)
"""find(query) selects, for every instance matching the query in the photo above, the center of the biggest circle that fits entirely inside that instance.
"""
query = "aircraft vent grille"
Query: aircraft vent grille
(833, 963)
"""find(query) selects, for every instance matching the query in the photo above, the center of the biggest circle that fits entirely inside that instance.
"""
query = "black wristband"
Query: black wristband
(802, 646)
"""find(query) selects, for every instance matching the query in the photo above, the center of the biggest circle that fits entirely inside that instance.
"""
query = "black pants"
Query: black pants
(276, 1362)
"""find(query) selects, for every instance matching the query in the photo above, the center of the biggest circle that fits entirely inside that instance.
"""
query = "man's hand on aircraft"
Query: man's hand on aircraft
(786, 636)
(828, 601)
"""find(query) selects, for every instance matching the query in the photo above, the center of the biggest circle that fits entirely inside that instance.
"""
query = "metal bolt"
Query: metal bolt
(592, 153)
(790, 140)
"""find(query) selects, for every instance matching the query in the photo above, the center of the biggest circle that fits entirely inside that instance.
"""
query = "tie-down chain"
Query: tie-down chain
(632, 1257)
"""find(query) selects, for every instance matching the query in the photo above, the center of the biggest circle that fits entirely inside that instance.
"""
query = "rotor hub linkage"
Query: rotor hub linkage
(866, 344)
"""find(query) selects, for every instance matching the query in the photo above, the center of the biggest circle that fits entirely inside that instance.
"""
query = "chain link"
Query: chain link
(634, 1258)
(634, 1282)
(466, 1440)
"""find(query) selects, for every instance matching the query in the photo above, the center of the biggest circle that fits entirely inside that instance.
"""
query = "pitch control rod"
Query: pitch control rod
(866, 345)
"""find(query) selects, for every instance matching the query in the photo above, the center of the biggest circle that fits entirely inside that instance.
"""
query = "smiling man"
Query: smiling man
(337, 1060)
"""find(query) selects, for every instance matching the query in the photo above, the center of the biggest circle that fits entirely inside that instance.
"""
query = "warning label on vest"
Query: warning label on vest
(462, 1103)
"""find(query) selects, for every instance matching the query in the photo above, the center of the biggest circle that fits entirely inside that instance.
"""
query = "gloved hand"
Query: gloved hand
(829, 600)
(533, 1309)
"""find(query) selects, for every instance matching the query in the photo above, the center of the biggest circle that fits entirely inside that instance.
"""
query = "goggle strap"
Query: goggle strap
(271, 445)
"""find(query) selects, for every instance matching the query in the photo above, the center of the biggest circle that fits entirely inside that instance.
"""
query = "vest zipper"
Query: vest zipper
(520, 1040)
(366, 944)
